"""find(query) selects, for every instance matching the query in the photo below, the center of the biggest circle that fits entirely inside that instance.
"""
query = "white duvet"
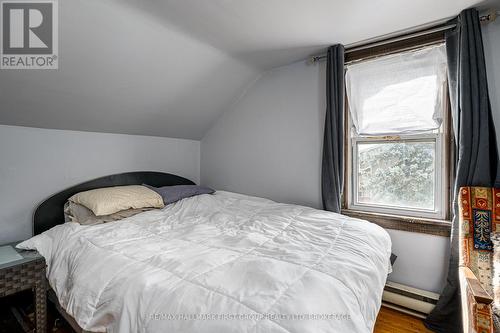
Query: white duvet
(220, 263)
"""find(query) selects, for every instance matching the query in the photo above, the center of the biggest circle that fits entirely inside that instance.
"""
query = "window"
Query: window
(397, 134)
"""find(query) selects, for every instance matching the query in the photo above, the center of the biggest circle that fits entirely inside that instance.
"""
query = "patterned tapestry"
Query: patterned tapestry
(479, 217)
(480, 212)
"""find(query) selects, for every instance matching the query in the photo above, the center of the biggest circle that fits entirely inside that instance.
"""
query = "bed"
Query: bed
(220, 263)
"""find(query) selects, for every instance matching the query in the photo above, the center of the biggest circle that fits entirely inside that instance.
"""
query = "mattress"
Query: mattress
(220, 263)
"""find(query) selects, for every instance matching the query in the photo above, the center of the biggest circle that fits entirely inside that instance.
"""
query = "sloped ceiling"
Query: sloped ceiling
(171, 67)
(270, 33)
(123, 70)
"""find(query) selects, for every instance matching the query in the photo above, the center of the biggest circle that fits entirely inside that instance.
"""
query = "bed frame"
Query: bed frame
(51, 211)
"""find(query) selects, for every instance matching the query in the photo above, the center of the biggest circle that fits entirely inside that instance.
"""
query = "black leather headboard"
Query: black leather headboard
(51, 211)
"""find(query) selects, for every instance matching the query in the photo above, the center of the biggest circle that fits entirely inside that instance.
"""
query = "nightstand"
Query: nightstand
(24, 274)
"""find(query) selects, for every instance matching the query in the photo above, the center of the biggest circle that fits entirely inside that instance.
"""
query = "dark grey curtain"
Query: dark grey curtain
(332, 170)
(477, 156)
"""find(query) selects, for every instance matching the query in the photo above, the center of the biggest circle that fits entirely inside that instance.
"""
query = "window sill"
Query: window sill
(404, 223)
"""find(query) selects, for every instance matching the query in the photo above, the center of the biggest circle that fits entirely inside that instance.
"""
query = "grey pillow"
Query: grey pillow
(74, 212)
(171, 194)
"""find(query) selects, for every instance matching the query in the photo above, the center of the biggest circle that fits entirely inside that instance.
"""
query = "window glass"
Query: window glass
(397, 174)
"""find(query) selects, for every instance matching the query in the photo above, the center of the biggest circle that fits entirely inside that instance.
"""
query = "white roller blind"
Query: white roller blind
(398, 94)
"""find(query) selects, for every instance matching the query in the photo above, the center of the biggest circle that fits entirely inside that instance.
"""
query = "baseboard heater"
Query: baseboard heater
(409, 300)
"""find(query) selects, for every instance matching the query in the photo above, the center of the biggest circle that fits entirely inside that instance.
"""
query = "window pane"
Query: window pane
(398, 174)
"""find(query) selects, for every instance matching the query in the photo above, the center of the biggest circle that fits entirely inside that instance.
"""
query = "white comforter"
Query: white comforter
(220, 263)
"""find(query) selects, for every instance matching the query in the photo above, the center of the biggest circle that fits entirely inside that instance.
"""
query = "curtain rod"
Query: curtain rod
(387, 39)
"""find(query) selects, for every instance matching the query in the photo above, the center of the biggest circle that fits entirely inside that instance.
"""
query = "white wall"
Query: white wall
(269, 144)
(36, 163)
(422, 259)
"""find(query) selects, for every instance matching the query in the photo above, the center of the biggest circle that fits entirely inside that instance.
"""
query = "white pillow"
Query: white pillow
(109, 200)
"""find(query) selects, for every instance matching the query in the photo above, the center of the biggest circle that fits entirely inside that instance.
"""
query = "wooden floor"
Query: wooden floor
(392, 321)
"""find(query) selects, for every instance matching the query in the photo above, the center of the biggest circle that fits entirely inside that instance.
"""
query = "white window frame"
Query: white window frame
(442, 169)
(440, 190)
